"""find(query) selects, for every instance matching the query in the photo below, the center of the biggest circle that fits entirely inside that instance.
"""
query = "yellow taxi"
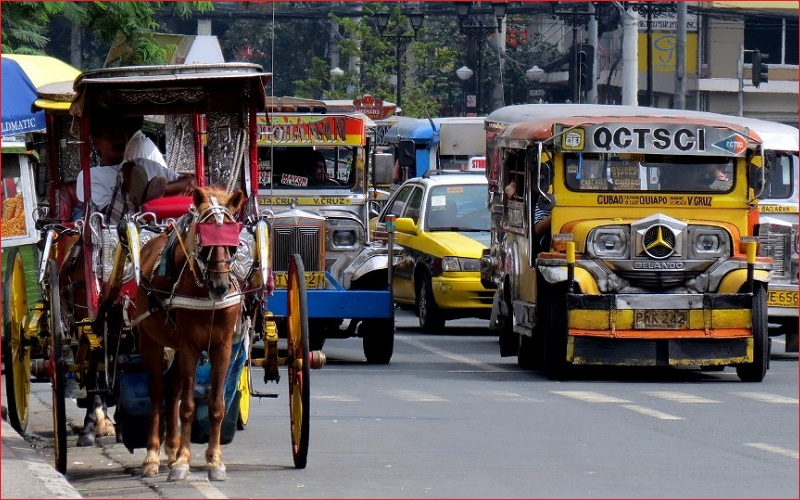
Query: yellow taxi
(442, 227)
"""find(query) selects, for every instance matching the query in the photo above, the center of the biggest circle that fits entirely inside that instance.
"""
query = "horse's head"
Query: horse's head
(214, 237)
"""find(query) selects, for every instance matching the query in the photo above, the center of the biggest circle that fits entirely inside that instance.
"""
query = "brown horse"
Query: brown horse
(188, 301)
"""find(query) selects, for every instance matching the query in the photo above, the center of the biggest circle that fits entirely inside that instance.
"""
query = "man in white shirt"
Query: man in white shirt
(124, 148)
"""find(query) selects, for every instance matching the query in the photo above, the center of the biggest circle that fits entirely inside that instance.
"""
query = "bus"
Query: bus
(650, 257)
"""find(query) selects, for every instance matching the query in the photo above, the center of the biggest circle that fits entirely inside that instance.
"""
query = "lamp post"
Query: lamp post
(479, 30)
(651, 10)
(535, 74)
(464, 74)
(416, 19)
(336, 73)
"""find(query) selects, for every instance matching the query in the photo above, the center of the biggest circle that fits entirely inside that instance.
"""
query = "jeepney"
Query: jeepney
(326, 222)
(651, 254)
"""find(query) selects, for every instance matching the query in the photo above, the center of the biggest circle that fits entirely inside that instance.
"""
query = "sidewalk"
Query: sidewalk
(25, 473)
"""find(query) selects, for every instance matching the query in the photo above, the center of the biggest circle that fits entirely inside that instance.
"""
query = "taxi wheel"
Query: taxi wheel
(430, 317)
(757, 370)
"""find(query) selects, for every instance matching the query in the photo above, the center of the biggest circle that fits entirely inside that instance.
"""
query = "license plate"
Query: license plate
(782, 298)
(314, 279)
(661, 319)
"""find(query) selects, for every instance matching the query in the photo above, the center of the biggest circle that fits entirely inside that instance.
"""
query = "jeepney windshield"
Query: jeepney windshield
(648, 173)
(307, 167)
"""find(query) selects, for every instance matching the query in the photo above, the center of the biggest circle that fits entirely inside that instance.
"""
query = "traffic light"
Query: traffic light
(760, 71)
(581, 68)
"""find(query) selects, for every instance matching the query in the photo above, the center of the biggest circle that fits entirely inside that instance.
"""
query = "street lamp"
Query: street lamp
(651, 10)
(534, 74)
(416, 19)
(336, 73)
(479, 30)
(464, 74)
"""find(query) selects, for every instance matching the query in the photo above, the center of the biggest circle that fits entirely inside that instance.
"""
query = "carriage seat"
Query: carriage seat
(67, 201)
(168, 206)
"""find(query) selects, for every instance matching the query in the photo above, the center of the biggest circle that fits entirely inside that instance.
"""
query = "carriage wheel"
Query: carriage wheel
(298, 363)
(244, 398)
(59, 369)
(16, 354)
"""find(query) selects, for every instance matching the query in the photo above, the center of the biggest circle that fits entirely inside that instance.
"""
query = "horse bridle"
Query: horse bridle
(211, 231)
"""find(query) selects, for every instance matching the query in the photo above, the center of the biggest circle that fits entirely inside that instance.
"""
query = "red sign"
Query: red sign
(373, 107)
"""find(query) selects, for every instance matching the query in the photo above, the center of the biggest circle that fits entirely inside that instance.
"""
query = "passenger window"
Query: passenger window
(414, 202)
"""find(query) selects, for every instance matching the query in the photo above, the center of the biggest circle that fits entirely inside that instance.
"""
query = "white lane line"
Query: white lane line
(406, 395)
(775, 449)
(447, 354)
(651, 412)
(766, 397)
(680, 397)
(207, 490)
(590, 397)
(506, 396)
(335, 397)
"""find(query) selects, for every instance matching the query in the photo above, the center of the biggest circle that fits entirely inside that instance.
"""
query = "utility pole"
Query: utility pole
(680, 58)
(591, 94)
(630, 58)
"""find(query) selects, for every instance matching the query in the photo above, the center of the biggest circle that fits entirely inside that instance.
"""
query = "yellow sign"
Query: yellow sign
(777, 209)
(305, 200)
(314, 279)
(664, 52)
(654, 199)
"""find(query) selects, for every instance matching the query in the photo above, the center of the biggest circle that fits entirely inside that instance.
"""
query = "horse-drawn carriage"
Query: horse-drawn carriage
(176, 291)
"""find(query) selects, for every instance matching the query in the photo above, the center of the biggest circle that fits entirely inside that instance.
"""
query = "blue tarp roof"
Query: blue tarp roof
(18, 93)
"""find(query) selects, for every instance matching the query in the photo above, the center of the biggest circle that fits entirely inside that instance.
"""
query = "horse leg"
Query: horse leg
(151, 359)
(172, 383)
(220, 359)
(92, 422)
(187, 361)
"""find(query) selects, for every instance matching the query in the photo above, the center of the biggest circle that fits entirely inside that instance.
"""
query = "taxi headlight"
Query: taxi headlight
(709, 243)
(609, 243)
(450, 264)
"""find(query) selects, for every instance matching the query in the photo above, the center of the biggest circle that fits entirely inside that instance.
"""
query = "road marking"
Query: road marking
(407, 395)
(207, 490)
(590, 397)
(447, 354)
(680, 397)
(774, 449)
(335, 397)
(506, 396)
(766, 397)
(651, 412)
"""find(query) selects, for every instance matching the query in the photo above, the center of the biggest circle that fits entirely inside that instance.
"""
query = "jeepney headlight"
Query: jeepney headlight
(344, 238)
(708, 243)
(609, 243)
(450, 264)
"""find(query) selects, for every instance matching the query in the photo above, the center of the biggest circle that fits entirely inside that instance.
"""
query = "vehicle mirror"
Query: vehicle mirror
(383, 168)
(758, 179)
(770, 159)
(405, 225)
(546, 202)
(406, 153)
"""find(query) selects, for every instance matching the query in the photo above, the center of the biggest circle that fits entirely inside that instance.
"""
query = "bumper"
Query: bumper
(609, 330)
(461, 292)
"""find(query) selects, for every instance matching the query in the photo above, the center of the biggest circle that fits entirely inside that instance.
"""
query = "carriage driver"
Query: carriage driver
(130, 171)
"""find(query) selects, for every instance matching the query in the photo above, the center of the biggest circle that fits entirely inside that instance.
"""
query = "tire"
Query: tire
(16, 355)
(378, 339)
(526, 353)
(298, 361)
(553, 325)
(59, 369)
(430, 316)
(757, 370)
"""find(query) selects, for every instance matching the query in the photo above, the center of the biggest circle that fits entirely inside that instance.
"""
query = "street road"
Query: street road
(450, 418)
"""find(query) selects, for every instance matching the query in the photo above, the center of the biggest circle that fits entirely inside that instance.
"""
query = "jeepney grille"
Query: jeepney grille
(775, 245)
(656, 279)
(304, 240)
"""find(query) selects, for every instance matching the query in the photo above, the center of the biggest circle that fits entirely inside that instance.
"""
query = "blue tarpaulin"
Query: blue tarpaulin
(18, 93)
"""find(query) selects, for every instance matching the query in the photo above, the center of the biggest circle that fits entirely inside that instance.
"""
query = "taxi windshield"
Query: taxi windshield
(648, 173)
(458, 207)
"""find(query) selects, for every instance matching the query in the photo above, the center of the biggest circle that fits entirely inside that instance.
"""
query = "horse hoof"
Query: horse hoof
(87, 439)
(217, 473)
(149, 470)
(178, 473)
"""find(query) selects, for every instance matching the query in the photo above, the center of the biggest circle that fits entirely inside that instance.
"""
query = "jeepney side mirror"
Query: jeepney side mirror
(383, 168)
(406, 153)
(405, 225)
(757, 176)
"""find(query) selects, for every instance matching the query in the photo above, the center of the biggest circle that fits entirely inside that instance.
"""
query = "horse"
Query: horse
(188, 301)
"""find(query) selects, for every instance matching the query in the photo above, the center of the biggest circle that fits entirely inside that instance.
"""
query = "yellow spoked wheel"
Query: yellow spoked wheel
(298, 360)
(59, 367)
(244, 399)
(16, 352)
